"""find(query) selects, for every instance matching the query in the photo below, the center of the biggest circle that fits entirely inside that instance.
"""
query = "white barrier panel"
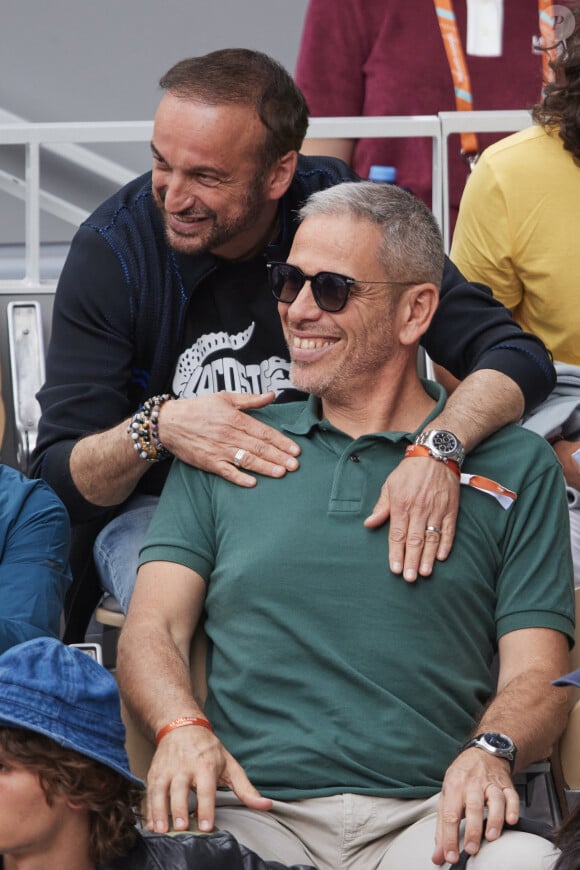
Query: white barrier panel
(65, 140)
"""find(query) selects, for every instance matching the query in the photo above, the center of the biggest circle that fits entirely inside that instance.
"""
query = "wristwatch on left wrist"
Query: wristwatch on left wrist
(443, 445)
(496, 744)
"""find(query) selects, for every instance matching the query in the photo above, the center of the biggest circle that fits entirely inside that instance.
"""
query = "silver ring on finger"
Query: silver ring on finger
(435, 529)
(239, 457)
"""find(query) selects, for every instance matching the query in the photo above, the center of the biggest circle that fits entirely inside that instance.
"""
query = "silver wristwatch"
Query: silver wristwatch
(442, 445)
(496, 744)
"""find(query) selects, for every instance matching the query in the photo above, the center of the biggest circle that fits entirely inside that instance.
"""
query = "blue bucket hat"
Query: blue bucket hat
(63, 693)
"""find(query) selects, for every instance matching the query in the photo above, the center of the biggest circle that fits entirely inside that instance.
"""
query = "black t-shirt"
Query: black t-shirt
(232, 338)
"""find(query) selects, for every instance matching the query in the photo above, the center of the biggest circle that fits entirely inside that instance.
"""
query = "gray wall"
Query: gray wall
(75, 60)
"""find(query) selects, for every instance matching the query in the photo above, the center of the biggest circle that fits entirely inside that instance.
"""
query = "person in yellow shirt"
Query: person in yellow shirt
(518, 230)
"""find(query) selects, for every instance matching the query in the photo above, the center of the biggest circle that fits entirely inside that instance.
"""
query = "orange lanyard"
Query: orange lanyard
(458, 66)
(547, 38)
(459, 73)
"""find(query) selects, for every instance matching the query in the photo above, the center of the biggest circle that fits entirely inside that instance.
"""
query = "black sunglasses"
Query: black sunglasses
(330, 290)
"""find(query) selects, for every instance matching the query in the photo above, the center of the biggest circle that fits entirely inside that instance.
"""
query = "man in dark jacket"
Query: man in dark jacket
(67, 795)
(164, 294)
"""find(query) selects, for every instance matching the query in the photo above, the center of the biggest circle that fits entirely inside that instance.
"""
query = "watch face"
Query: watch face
(444, 442)
(498, 741)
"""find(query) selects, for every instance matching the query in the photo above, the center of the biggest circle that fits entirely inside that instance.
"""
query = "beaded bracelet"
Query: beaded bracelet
(180, 723)
(144, 431)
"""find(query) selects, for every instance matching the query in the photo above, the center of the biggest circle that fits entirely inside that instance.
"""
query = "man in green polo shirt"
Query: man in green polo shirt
(350, 717)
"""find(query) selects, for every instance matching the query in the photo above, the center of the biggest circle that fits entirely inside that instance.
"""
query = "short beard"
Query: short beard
(340, 381)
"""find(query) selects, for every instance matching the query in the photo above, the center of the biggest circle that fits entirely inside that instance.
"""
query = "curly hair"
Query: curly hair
(560, 107)
(109, 797)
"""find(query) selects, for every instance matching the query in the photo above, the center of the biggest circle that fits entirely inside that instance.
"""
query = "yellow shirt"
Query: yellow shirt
(519, 232)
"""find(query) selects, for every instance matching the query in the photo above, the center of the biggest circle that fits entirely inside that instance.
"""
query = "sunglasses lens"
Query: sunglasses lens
(286, 281)
(330, 291)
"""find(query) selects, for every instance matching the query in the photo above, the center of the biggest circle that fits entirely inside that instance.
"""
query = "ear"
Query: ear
(416, 309)
(280, 175)
(77, 806)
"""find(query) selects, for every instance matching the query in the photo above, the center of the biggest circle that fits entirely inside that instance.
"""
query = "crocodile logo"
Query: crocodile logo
(198, 375)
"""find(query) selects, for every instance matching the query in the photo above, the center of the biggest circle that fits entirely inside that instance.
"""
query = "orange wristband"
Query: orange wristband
(180, 723)
(421, 450)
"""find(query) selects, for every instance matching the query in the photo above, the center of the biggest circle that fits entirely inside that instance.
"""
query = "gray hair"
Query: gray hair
(411, 247)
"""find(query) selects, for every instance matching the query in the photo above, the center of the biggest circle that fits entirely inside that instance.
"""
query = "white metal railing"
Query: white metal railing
(79, 156)
(395, 127)
(57, 137)
(65, 139)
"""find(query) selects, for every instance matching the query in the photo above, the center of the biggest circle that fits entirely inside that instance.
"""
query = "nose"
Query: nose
(304, 306)
(177, 195)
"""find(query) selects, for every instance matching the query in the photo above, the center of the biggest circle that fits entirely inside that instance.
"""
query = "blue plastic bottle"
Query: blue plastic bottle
(383, 174)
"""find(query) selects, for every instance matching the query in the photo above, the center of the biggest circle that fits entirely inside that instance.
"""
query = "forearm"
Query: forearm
(534, 717)
(484, 402)
(341, 148)
(160, 694)
(105, 467)
(90, 385)
(472, 332)
(528, 708)
(165, 608)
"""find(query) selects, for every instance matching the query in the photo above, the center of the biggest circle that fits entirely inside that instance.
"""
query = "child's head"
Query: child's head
(62, 743)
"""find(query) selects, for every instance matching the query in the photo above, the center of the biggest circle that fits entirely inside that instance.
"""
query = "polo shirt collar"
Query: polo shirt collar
(308, 419)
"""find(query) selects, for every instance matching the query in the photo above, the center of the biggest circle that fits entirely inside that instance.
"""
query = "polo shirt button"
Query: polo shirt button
(354, 458)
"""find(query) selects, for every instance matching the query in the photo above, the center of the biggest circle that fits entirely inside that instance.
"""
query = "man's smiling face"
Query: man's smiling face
(207, 181)
(334, 352)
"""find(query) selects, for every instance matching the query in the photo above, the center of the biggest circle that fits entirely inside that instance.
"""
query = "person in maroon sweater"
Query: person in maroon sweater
(381, 57)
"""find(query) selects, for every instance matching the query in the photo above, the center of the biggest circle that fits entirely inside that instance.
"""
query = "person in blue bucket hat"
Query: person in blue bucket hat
(68, 798)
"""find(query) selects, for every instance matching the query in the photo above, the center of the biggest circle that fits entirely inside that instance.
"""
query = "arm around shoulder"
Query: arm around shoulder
(472, 332)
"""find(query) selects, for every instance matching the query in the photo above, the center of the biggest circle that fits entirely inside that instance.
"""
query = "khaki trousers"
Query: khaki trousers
(356, 832)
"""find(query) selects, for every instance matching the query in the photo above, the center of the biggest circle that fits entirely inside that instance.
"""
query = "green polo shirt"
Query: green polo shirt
(327, 673)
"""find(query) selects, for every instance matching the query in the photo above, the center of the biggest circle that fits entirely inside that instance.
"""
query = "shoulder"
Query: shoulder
(135, 199)
(16, 487)
(527, 147)
(514, 457)
(26, 500)
(279, 415)
(342, 22)
(127, 231)
(318, 173)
